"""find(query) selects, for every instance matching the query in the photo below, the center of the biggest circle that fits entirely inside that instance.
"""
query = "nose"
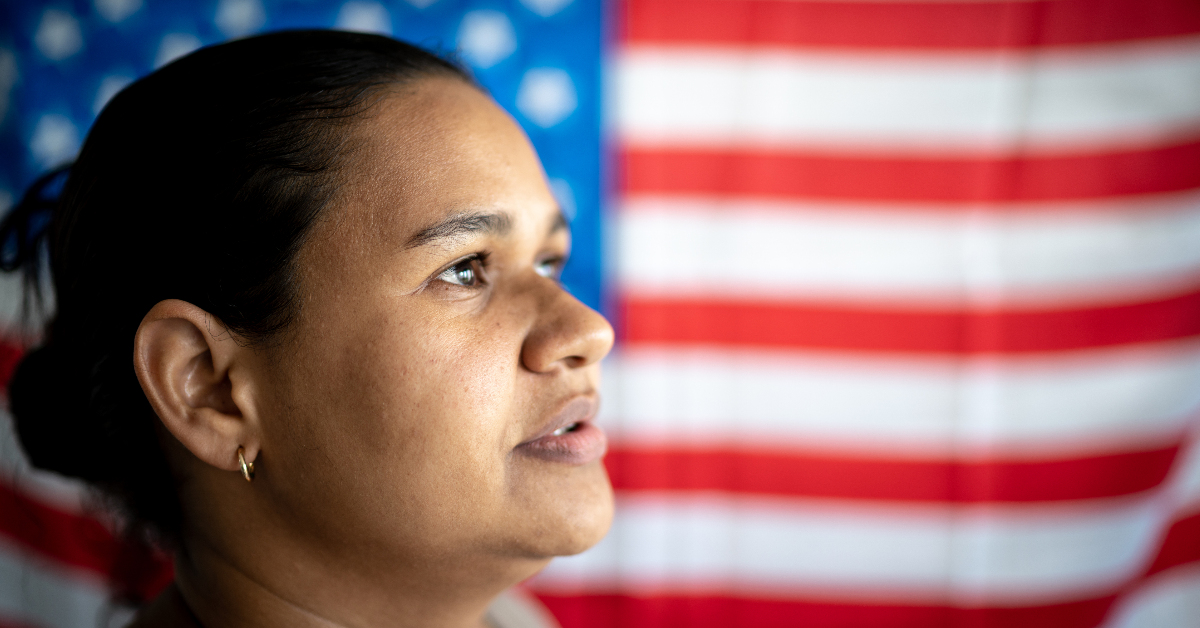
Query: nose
(567, 333)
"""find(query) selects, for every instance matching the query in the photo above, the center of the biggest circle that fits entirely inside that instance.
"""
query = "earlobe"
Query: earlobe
(183, 357)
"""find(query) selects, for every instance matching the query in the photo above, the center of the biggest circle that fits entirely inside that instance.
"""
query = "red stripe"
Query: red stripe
(10, 354)
(136, 572)
(603, 611)
(929, 25)
(812, 475)
(864, 328)
(68, 539)
(1180, 545)
(908, 178)
(82, 543)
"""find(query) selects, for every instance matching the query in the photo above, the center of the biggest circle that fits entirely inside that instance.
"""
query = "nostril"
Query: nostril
(576, 361)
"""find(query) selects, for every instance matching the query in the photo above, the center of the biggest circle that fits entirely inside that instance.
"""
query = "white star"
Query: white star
(58, 35)
(486, 38)
(109, 87)
(237, 18)
(55, 141)
(546, 96)
(545, 8)
(117, 10)
(173, 46)
(364, 17)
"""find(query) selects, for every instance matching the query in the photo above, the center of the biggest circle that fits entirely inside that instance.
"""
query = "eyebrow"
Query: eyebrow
(462, 224)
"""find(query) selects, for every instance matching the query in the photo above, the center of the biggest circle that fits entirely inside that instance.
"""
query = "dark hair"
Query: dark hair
(198, 182)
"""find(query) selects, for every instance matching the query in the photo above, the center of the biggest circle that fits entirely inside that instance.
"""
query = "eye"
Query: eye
(467, 273)
(550, 268)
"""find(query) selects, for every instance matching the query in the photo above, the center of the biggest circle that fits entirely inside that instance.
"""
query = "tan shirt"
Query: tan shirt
(515, 608)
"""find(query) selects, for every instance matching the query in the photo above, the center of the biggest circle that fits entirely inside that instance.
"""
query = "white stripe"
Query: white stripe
(1169, 600)
(11, 295)
(38, 593)
(1079, 96)
(747, 249)
(1059, 405)
(1182, 486)
(664, 544)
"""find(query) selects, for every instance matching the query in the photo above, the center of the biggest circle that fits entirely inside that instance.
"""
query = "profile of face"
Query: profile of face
(423, 428)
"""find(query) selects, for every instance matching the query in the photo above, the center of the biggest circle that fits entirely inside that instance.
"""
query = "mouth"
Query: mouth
(570, 437)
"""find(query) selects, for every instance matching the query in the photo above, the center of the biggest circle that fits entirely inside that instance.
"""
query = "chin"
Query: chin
(576, 520)
(588, 528)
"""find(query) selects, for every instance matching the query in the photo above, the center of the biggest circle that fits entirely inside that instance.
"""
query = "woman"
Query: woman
(308, 330)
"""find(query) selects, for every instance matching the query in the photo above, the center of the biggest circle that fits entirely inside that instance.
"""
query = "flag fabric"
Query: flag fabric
(907, 296)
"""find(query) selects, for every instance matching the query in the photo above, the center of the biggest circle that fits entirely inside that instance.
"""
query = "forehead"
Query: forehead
(438, 147)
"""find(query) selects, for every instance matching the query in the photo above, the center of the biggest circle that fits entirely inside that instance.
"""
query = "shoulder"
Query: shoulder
(516, 608)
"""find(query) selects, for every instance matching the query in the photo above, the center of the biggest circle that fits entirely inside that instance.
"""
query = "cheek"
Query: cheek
(436, 389)
(407, 425)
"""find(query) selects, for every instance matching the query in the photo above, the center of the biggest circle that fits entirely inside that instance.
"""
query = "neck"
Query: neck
(212, 590)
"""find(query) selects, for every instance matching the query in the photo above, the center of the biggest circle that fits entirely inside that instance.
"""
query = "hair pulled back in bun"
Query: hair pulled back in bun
(198, 182)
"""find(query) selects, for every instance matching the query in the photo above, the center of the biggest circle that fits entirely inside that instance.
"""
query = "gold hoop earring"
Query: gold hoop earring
(247, 467)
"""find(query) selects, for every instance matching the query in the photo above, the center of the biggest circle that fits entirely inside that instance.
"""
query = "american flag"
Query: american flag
(908, 298)
(909, 295)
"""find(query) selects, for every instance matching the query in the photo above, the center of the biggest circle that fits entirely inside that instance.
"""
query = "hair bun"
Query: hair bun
(49, 402)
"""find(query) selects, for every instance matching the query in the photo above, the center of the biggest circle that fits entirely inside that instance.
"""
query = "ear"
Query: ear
(184, 358)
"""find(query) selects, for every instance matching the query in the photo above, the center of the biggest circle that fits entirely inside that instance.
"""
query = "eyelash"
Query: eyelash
(555, 265)
(475, 264)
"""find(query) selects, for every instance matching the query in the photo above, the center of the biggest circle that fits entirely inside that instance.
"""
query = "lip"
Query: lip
(583, 444)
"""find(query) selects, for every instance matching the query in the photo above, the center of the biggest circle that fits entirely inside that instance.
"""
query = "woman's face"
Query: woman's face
(432, 401)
